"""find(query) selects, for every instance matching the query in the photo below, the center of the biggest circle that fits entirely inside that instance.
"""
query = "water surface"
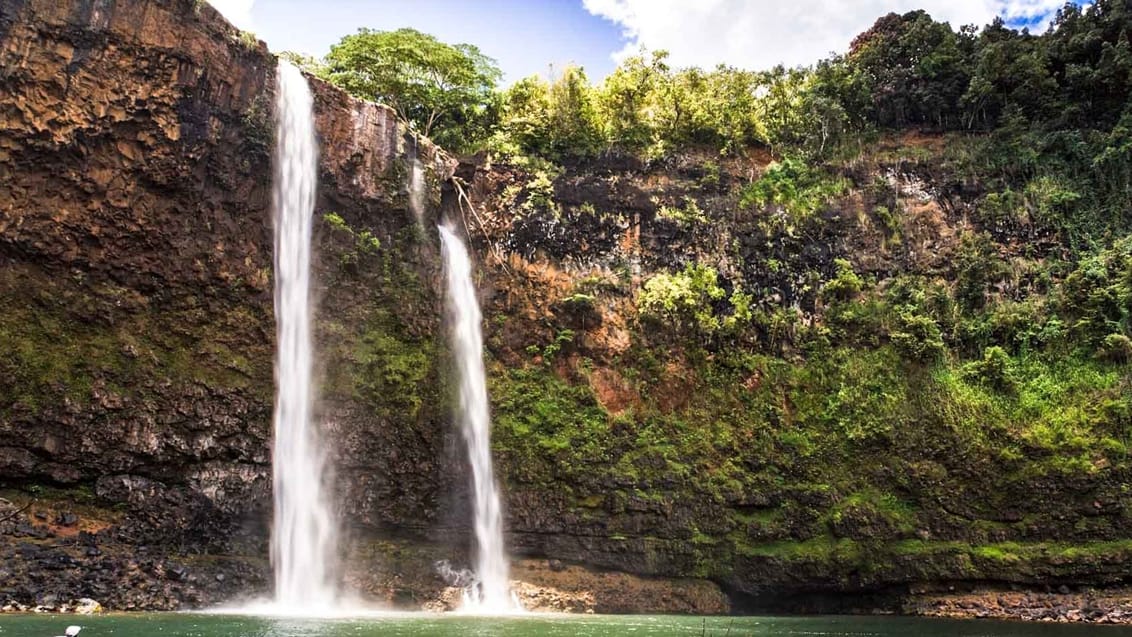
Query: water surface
(421, 625)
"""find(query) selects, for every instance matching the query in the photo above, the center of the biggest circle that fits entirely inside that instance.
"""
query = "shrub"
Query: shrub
(845, 285)
(918, 338)
(994, 370)
(794, 188)
(1116, 348)
(694, 300)
(977, 265)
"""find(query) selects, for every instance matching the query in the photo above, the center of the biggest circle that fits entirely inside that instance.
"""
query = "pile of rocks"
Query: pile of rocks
(1063, 605)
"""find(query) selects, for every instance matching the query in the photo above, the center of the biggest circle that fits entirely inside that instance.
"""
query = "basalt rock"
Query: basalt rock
(135, 269)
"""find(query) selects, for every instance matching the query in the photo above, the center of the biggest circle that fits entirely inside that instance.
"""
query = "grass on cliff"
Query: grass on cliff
(67, 340)
(841, 448)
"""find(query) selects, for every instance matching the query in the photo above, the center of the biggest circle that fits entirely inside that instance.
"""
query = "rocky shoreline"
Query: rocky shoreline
(84, 559)
(70, 557)
(1109, 606)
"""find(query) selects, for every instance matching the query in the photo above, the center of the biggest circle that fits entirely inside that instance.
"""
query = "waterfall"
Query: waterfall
(304, 533)
(492, 590)
(416, 183)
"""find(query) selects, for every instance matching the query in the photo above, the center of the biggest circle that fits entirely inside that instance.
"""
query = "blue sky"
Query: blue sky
(523, 36)
(531, 36)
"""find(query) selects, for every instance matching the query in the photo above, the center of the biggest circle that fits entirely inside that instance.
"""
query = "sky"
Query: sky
(535, 36)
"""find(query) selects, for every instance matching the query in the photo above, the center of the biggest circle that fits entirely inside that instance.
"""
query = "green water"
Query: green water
(183, 625)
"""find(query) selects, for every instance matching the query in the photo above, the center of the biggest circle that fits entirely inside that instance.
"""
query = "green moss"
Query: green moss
(821, 549)
(57, 352)
(393, 374)
(546, 427)
(1006, 552)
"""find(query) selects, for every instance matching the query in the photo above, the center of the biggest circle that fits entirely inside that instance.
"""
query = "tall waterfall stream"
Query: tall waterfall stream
(304, 535)
(491, 592)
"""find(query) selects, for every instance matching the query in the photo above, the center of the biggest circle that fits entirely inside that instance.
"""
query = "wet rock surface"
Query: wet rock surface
(108, 559)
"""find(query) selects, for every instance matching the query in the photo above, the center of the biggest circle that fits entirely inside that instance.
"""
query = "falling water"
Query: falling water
(492, 593)
(416, 183)
(303, 536)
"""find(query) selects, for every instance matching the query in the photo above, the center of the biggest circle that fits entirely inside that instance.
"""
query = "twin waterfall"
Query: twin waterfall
(494, 591)
(303, 539)
(305, 533)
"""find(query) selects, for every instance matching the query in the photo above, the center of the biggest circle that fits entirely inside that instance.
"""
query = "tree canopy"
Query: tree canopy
(1057, 106)
(442, 89)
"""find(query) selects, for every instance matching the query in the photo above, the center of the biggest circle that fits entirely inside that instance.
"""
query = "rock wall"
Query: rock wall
(806, 462)
(135, 273)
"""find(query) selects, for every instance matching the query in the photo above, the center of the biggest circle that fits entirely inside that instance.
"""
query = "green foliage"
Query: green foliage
(890, 221)
(1002, 210)
(626, 97)
(688, 300)
(1051, 200)
(868, 400)
(562, 339)
(248, 40)
(1116, 348)
(793, 189)
(365, 244)
(394, 373)
(976, 266)
(539, 194)
(444, 90)
(845, 285)
(918, 337)
(1097, 296)
(1057, 104)
(994, 370)
(916, 67)
(688, 214)
(556, 120)
(305, 63)
(539, 416)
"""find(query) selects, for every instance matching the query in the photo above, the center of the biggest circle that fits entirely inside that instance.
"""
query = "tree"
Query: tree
(305, 63)
(917, 68)
(1010, 70)
(442, 90)
(730, 105)
(625, 99)
(780, 97)
(573, 115)
(555, 120)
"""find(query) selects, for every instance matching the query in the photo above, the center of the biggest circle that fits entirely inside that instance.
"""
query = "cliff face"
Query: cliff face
(135, 273)
(794, 432)
(815, 415)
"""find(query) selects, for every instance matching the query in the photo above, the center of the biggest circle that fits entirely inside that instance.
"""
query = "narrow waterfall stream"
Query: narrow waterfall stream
(491, 592)
(304, 534)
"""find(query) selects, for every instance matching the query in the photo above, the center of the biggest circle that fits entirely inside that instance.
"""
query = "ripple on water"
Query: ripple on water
(376, 623)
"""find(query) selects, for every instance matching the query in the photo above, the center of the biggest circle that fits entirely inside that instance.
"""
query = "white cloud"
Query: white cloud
(238, 12)
(760, 34)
